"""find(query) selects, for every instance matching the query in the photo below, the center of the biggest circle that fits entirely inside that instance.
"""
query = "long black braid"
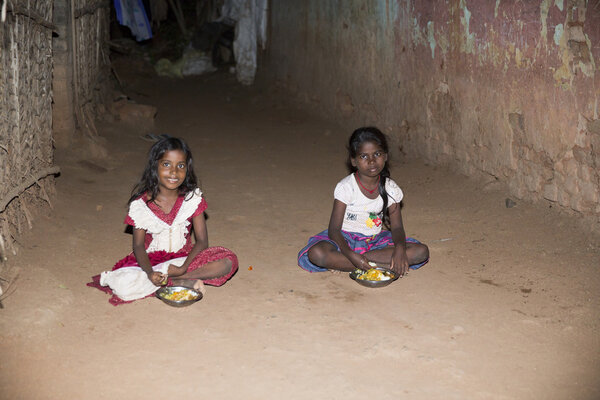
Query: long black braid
(373, 135)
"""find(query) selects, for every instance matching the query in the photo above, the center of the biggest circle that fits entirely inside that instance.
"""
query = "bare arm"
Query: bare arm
(335, 233)
(201, 236)
(139, 250)
(399, 261)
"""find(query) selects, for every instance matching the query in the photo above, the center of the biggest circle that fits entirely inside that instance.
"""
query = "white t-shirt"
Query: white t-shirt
(364, 215)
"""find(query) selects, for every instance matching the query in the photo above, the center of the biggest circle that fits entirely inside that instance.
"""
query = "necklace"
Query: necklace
(363, 186)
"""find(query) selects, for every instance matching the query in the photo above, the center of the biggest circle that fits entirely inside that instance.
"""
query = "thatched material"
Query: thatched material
(26, 123)
(26, 146)
(91, 65)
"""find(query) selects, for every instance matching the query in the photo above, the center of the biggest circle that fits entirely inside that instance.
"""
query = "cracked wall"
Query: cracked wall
(509, 89)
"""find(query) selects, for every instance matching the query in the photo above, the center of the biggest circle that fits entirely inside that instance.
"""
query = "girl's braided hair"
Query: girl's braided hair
(373, 135)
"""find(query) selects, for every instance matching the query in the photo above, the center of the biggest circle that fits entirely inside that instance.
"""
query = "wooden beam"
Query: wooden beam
(16, 191)
(20, 10)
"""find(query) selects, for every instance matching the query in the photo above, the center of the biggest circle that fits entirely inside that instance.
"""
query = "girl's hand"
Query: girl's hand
(157, 278)
(165, 279)
(399, 261)
(359, 261)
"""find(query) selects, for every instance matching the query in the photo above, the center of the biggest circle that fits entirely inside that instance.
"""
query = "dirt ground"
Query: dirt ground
(507, 307)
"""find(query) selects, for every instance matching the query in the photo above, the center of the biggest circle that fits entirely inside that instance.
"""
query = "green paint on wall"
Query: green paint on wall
(443, 42)
(431, 38)
(496, 9)
(558, 32)
(544, 7)
(418, 36)
(560, 4)
(465, 20)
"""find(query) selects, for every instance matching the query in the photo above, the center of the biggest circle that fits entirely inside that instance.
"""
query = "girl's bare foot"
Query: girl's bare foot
(195, 284)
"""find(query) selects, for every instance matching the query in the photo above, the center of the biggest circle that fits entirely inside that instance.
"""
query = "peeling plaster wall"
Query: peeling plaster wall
(505, 88)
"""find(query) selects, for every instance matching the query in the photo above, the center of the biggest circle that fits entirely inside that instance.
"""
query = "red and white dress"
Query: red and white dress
(168, 237)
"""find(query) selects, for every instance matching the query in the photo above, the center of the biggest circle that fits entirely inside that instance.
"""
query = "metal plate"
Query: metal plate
(374, 284)
(182, 303)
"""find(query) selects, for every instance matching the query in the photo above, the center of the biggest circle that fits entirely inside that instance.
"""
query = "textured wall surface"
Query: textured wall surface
(90, 67)
(81, 67)
(63, 114)
(26, 100)
(509, 89)
(25, 116)
(91, 36)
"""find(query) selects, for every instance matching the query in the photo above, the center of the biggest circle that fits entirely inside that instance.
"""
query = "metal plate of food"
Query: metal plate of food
(178, 296)
(374, 277)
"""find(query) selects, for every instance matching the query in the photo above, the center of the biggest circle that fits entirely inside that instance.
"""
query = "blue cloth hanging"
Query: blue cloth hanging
(131, 13)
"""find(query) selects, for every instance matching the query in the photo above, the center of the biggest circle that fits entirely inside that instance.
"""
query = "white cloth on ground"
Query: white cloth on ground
(132, 283)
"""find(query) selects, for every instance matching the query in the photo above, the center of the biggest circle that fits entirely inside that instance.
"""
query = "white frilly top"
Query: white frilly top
(167, 237)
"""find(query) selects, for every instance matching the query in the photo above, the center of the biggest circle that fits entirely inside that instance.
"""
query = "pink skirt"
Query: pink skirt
(205, 256)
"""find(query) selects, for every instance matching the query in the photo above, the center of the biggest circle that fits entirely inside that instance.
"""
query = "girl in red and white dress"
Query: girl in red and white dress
(166, 206)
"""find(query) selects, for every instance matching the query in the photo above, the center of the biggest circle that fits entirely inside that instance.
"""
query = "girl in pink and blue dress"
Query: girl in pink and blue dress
(165, 209)
(364, 202)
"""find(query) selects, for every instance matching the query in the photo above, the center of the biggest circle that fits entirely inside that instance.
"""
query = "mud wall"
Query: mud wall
(507, 89)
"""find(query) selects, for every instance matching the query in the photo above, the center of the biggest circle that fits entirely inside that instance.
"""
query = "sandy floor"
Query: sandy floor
(507, 308)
